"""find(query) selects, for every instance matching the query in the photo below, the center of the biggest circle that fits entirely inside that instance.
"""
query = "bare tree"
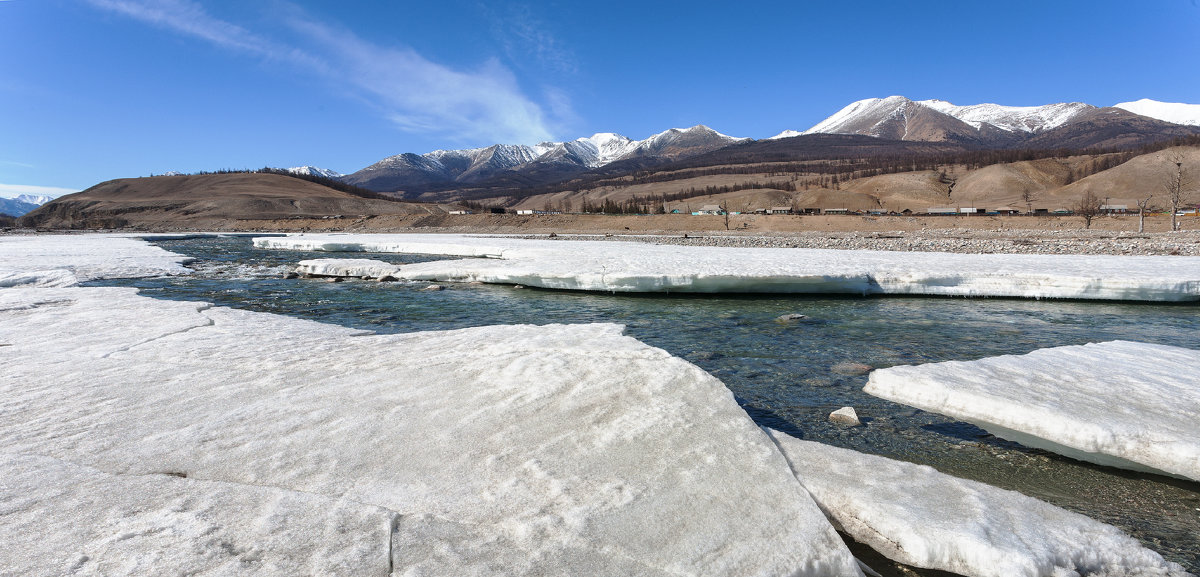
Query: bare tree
(725, 211)
(1176, 185)
(1027, 197)
(1088, 208)
(1143, 205)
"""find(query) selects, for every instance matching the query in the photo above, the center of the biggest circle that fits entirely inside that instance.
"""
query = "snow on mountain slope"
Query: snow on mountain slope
(871, 115)
(786, 134)
(314, 171)
(38, 199)
(1176, 112)
(1011, 118)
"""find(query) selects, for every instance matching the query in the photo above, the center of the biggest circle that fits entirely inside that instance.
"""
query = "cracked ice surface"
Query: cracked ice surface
(1119, 403)
(66, 260)
(495, 450)
(58, 518)
(915, 515)
(643, 267)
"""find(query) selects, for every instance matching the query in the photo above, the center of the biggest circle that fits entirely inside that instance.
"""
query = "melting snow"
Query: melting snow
(643, 267)
(915, 515)
(1122, 404)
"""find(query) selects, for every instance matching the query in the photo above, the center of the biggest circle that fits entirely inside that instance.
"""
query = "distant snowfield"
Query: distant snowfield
(640, 267)
(1121, 404)
(145, 436)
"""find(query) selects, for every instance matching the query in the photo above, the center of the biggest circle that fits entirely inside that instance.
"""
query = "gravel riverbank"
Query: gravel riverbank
(1185, 243)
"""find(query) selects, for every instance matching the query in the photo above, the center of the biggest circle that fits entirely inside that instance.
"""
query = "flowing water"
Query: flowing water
(787, 374)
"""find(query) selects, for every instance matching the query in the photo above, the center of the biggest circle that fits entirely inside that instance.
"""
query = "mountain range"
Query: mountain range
(504, 168)
(22, 204)
(543, 162)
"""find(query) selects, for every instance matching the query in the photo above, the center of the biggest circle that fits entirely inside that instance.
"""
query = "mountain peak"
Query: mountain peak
(894, 117)
(1174, 112)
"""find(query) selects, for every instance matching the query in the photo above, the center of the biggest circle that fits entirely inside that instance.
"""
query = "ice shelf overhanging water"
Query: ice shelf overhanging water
(643, 267)
(1119, 403)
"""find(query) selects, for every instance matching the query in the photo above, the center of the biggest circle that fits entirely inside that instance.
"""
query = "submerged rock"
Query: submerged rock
(851, 369)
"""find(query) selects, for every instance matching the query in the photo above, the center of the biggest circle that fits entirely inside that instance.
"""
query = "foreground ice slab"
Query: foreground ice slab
(62, 519)
(915, 515)
(514, 450)
(66, 260)
(641, 267)
(1121, 404)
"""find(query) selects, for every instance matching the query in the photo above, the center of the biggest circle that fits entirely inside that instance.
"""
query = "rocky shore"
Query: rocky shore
(1006, 241)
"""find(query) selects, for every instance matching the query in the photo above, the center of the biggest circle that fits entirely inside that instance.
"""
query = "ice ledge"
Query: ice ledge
(640, 267)
(1118, 403)
(915, 515)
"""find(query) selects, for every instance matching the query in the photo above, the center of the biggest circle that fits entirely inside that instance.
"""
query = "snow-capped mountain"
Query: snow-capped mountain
(899, 118)
(38, 199)
(410, 171)
(314, 171)
(1174, 112)
(22, 204)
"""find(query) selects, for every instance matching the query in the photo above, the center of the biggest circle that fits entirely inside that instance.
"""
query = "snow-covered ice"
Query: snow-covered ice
(347, 267)
(66, 260)
(60, 518)
(187, 437)
(644, 267)
(1119, 403)
(915, 515)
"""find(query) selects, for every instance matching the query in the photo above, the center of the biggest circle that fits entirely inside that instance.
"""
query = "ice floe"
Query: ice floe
(1119, 403)
(493, 450)
(915, 515)
(644, 267)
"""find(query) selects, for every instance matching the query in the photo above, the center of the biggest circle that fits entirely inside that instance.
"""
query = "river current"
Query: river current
(787, 374)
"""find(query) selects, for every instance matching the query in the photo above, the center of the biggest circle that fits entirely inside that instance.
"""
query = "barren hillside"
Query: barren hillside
(207, 200)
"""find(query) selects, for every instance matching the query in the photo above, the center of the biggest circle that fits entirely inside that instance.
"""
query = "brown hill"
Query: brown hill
(209, 200)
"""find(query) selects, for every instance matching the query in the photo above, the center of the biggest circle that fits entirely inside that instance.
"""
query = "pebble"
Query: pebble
(1002, 241)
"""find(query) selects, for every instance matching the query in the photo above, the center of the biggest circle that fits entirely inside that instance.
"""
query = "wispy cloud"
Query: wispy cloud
(15, 190)
(485, 104)
(525, 36)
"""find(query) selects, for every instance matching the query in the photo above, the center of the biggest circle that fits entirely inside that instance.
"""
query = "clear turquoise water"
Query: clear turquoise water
(783, 373)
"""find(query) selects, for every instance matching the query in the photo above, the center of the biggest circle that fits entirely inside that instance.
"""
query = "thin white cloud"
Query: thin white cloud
(418, 95)
(525, 36)
(15, 190)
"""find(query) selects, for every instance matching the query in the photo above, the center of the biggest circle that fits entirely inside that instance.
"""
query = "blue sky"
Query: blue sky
(92, 90)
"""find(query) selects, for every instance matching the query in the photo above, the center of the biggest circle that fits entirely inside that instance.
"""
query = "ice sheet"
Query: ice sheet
(642, 267)
(500, 450)
(58, 518)
(65, 260)
(915, 515)
(1119, 403)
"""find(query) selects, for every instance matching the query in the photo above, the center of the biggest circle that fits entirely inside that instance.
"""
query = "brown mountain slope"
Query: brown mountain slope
(1139, 178)
(206, 200)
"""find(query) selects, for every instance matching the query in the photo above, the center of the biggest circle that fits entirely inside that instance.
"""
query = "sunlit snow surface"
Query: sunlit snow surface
(915, 515)
(643, 267)
(141, 436)
(1123, 404)
(58, 260)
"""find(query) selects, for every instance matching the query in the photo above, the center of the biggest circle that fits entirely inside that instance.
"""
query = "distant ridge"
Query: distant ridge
(540, 163)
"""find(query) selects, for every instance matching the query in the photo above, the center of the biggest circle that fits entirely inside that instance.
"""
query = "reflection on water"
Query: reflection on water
(784, 373)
